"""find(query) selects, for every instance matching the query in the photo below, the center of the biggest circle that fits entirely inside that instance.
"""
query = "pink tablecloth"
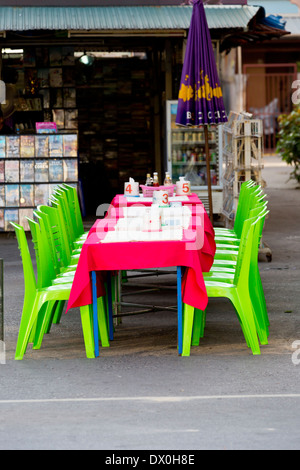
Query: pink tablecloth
(102, 257)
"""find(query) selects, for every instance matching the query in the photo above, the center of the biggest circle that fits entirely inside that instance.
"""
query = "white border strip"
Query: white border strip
(163, 399)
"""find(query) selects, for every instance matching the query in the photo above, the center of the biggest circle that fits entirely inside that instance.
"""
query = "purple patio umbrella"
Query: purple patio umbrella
(200, 101)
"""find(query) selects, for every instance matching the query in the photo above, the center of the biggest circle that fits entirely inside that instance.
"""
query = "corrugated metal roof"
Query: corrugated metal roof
(276, 7)
(121, 18)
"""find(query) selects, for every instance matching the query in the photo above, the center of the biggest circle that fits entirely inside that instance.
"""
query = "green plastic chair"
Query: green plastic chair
(61, 256)
(60, 199)
(240, 212)
(74, 247)
(70, 260)
(46, 257)
(75, 208)
(51, 275)
(61, 193)
(67, 196)
(222, 243)
(251, 195)
(237, 291)
(58, 203)
(227, 264)
(37, 297)
(62, 274)
(227, 274)
(60, 252)
(66, 255)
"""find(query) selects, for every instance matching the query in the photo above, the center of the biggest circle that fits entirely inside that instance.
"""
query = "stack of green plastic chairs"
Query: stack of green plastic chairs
(235, 285)
(251, 203)
(57, 259)
(42, 295)
(65, 202)
(252, 209)
(56, 242)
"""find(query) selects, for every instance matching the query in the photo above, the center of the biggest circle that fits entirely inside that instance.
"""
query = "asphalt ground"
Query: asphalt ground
(139, 394)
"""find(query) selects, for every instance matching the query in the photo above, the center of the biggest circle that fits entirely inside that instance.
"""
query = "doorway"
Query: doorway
(269, 94)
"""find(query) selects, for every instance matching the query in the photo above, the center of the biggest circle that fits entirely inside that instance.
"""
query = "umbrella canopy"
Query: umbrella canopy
(200, 99)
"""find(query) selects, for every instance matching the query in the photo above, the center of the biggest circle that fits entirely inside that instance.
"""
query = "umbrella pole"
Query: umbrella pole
(208, 173)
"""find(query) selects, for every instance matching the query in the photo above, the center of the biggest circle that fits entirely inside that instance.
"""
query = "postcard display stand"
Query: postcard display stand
(242, 156)
(31, 166)
(186, 157)
(52, 70)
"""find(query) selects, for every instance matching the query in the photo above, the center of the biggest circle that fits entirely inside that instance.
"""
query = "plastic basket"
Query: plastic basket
(148, 190)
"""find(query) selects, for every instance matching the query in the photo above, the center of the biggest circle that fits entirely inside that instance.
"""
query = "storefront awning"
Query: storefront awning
(137, 18)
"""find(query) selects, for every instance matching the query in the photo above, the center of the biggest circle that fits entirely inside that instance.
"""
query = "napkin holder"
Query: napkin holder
(131, 188)
(161, 198)
(183, 188)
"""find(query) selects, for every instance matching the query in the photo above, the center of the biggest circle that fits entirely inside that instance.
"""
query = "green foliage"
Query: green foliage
(288, 144)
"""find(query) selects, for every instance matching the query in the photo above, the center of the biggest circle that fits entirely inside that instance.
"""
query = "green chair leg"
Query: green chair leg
(102, 320)
(58, 312)
(44, 323)
(188, 320)
(198, 327)
(243, 307)
(26, 325)
(87, 329)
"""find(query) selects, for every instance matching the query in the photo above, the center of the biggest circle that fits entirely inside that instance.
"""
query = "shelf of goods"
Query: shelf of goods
(242, 149)
(186, 157)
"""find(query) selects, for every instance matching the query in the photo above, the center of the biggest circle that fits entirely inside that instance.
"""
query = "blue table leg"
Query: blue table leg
(110, 310)
(95, 314)
(179, 309)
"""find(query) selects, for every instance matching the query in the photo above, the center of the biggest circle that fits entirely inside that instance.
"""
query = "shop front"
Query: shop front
(103, 74)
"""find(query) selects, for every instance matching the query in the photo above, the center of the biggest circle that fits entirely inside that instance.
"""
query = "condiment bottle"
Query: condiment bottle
(155, 179)
(149, 181)
(167, 181)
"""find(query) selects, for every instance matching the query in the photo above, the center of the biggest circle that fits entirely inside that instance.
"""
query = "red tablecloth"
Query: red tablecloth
(196, 255)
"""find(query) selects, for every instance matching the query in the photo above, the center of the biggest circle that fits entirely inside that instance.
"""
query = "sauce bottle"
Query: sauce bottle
(155, 179)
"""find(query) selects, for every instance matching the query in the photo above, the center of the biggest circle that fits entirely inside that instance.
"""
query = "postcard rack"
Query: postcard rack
(31, 166)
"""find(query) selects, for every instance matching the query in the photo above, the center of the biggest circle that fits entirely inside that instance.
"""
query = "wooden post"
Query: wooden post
(211, 216)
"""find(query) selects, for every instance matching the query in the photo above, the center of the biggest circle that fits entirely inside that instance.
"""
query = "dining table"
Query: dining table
(117, 243)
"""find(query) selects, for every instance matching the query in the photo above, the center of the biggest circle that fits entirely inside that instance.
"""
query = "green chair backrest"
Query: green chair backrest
(257, 238)
(28, 271)
(248, 245)
(241, 205)
(255, 212)
(61, 196)
(58, 201)
(244, 206)
(251, 197)
(73, 198)
(45, 268)
(47, 234)
(58, 232)
(70, 203)
(240, 264)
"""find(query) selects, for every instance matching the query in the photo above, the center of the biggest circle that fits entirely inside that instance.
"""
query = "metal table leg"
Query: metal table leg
(95, 314)
(179, 309)
(110, 307)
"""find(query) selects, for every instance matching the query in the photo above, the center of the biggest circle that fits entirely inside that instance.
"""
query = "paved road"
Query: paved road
(139, 394)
